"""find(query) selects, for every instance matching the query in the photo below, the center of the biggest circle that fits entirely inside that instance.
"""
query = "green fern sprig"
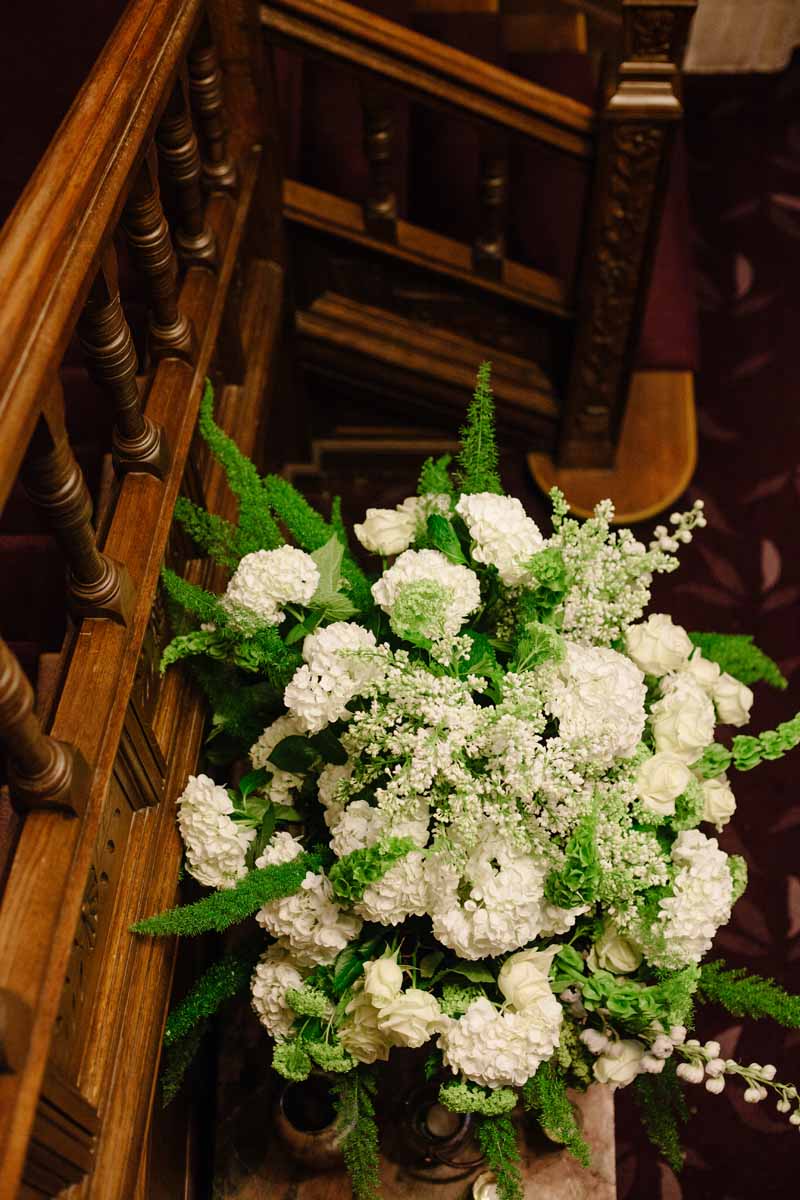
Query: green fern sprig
(662, 1109)
(177, 1059)
(497, 1139)
(736, 654)
(355, 1113)
(221, 981)
(434, 477)
(545, 1093)
(746, 995)
(212, 534)
(222, 909)
(478, 458)
(257, 529)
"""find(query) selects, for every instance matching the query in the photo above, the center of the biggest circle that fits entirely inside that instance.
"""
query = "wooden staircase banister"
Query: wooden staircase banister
(440, 74)
(53, 238)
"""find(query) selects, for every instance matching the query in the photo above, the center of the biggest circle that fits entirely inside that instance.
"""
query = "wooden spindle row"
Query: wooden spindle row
(380, 206)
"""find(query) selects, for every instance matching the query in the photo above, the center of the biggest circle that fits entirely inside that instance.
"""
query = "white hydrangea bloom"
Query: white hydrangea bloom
(401, 893)
(281, 848)
(460, 583)
(337, 665)
(683, 719)
(283, 783)
(266, 580)
(362, 824)
(505, 908)
(700, 904)
(657, 645)
(504, 535)
(314, 927)
(328, 790)
(497, 1049)
(275, 974)
(216, 845)
(599, 702)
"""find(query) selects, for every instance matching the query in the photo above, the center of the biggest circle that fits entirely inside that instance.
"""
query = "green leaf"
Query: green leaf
(349, 963)
(329, 563)
(333, 606)
(295, 754)
(475, 972)
(265, 832)
(300, 631)
(254, 779)
(429, 962)
(329, 748)
(285, 812)
(443, 538)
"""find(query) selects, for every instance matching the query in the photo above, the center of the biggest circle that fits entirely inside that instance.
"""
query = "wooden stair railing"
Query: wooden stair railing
(624, 149)
(180, 91)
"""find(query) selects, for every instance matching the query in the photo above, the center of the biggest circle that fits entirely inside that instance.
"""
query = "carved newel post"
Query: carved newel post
(636, 134)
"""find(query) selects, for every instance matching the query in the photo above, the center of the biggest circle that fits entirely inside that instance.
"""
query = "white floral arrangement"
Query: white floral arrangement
(481, 805)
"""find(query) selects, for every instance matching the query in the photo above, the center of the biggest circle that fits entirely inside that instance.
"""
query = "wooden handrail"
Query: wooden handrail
(52, 240)
(439, 73)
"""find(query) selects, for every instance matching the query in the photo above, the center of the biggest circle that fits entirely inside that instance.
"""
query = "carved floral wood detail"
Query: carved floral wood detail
(652, 31)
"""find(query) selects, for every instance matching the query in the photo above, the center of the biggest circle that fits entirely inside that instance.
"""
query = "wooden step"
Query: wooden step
(656, 456)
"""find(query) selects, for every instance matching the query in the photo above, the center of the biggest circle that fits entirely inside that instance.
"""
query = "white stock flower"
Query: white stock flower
(497, 1049)
(614, 952)
(359, 1032)
(719, 802)
(275, 974)
(383, 979)
(337, 663)
(216, 845)
(409, 1019)
(386, 531)
(620, 1063)
(314, 928)
(599, 702)
(683, 719)
(523, 977)
(401, 893)
(732, 700)
(658, 646)
(266, 580)
(460, 583)
(660, 780)
(700, 903)
(504, 535)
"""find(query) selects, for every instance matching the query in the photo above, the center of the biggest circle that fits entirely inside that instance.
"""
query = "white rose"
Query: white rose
(733, 700)
(719, 802)
(657, 646)
(613, 952)
(705, 672)
(359, 1032)
(660, 780)
(386, 530)
(411, 1019)
(683, 720)
(485, 1187)
(383, 979)
(523, 978)
(620, 1063)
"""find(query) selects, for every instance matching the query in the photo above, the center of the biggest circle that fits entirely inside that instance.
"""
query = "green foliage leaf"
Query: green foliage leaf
(737, 654)
(662, 1108)
(349, 963)
(295, 754)
(266, 829)
(222, 980)
(224, 908)
(213, 534)
(253, 780)
(329, 563)
(576, 882)
(178, 1057)
(356, 1115)
(442, 537)
(475, 972)
(434, 478)
(497, 1138)
(746, 995)
(352, 874)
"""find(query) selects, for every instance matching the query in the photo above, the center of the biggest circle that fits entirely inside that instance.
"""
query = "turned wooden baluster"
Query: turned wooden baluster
(205, 91)
(380, 208)
(489, 248)
(177, 147)
(138, 444)
(42, 772)
(147, 231)
(98, 586)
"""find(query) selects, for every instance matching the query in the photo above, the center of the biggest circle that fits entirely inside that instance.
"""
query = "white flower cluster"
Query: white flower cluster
(216, 845)
(282, 784)
(599, 702)
(267, 580)
(337, 664)
(502, 1049)
(700, 903)
(503, 534)
(275, 974)
(382, 1015)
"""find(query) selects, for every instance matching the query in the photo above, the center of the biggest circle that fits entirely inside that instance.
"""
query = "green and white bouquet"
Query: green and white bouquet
(480, 805)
